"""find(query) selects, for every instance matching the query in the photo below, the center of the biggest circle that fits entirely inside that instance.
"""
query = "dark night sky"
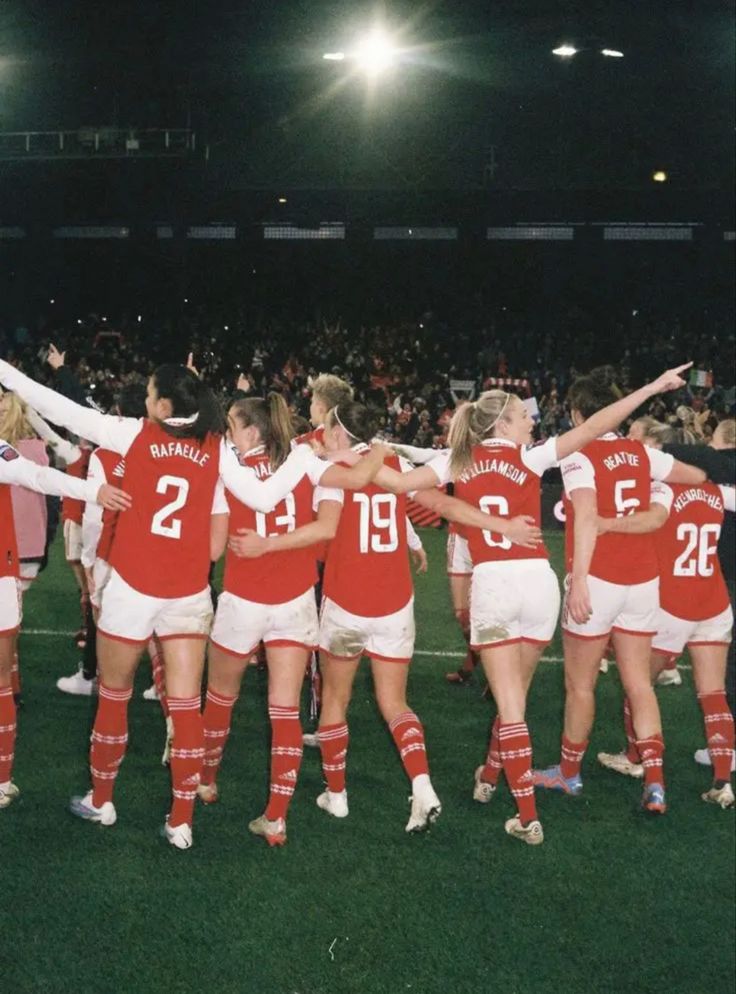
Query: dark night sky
(251, 76)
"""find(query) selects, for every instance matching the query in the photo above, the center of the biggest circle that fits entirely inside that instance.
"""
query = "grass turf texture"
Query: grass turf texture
(612, 902)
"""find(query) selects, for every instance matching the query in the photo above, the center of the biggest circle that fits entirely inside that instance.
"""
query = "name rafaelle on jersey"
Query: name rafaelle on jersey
(182, 449)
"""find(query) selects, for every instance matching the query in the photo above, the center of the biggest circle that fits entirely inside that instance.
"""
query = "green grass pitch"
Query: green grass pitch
(612, 902)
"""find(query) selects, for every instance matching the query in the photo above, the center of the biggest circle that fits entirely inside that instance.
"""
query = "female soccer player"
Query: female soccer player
(611, 588)
(694, 611)
(270, 600)
(17, 471)
(368, 610)
(514, 600)
(176, 462)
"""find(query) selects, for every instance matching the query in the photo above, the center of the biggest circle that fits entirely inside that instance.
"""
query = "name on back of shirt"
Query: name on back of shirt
(182, 449)
(499, 466)
(695, 493)
(621, 459)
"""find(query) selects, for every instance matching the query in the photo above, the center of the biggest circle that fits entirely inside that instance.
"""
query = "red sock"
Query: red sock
(516, 755)
(333, 744)
(408, 735)
(7, 733)
(218, 713)
(571, 757)
(719, 732)
(632, 753)
(286, 758)
(494, 765)
(109, 741)
(15, 677)
(651, 751)
(187, 756)
(159, 674)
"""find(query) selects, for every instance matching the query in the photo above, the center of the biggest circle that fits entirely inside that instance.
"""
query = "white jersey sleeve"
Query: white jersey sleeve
(92, 517)
(660, 493)
(327, 493)
(219, 500)
(264, 495)
(440, 466)
(416, 455)
(106, 430)
(540, 457)
(66, 452)
(413, 540)
(15, 469)
(660, 463)
(729, 498)
(577, 473)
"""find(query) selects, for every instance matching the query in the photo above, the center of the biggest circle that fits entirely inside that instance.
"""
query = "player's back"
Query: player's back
(113, 466)
(691, 583)
(279, 576)
(622, 478)
(162, 544)
(367, 571)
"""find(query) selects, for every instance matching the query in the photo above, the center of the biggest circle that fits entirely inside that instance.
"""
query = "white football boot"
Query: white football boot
(180, 836)
(150, 693)
(702, 758)
(83, 807)
(482, 792)
(532, 833)
(335, 804)
(669, 678)
(723, 796)
(77, 684)
(274, 832)
(619, 762)
(8, 793)
(425, 805)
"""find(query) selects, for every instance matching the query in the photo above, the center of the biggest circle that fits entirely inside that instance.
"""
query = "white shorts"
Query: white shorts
(127, 615)
(673, 633)
(459, 562)
(72, 541)
(241, 624)
(101, 571)
(630, 609)
(389, 638)
(513, 601)
(28, 573)
(10, 611)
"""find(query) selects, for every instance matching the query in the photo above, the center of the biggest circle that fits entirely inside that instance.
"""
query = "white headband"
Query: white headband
(181, 422)
(501, 414)
(337, 418)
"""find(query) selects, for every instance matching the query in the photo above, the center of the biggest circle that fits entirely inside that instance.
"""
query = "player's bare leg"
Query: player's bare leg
(286, 670)
(338, 676)
(224, 678)
(509, 679)
(460, 595)
(8, 790)
(709, 674)
(390, 681)
(582, 666)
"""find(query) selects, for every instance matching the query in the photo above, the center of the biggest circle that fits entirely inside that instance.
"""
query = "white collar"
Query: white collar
(360, 447)
(500, 441)
(257, 451)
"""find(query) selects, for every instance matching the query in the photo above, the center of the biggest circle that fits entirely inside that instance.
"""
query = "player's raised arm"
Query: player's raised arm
(609, 418)
(106, 430)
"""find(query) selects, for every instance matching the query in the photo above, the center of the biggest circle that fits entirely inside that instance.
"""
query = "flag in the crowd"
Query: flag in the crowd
(701, 378)
(533, 407)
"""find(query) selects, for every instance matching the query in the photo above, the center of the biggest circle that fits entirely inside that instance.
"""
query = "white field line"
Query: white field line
(51, 632)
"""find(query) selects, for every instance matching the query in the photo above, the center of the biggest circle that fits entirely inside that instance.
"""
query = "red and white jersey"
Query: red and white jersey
(504, 479)
(162, 543)
(72, 510)
(620, 470)
(280, 576)
(367, 571)
(17, 471)
(315, 435)
(98, 524)
(691, 584)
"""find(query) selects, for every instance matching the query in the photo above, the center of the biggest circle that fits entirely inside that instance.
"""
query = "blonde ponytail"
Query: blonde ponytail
(471, 423)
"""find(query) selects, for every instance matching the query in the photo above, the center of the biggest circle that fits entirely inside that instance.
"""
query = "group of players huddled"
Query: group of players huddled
(182, 483)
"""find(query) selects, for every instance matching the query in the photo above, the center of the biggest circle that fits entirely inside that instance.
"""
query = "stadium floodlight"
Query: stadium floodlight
(612, 53)
(565, 51)
(375, 53)
(334, 56)
(659, 176)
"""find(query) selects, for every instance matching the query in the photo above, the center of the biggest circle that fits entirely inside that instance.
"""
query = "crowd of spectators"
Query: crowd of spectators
(413, 372)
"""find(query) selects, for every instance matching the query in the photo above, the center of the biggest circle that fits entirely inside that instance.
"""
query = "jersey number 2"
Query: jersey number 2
(172, 527)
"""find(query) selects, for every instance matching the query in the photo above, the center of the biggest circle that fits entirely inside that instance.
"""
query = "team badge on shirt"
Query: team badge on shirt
(8, 453)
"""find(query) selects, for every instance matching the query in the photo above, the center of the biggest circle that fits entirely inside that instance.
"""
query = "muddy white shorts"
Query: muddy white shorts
(629, 609)
(388, 638)
(72, 541)
(674, 633)
(513, 601)
(240, 625)
(101, 571)
(10, 609)
(459, 562)
(130, 616)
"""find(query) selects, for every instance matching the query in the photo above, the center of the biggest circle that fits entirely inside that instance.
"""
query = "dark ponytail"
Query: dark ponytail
(360, 422)
(272, 419)
(188, 396)
(590, 394)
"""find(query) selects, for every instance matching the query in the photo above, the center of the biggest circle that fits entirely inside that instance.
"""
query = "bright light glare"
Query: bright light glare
(612, 53)
(565, 51)
(334, 56)
(660, 176)
(375, 53)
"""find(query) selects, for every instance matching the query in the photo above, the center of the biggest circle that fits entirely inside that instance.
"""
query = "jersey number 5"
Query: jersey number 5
(625, 505)
(378, 531)
(172, 527)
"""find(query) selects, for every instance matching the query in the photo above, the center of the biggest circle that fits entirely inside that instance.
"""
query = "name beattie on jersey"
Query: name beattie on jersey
(182, 449)
(621, 459)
